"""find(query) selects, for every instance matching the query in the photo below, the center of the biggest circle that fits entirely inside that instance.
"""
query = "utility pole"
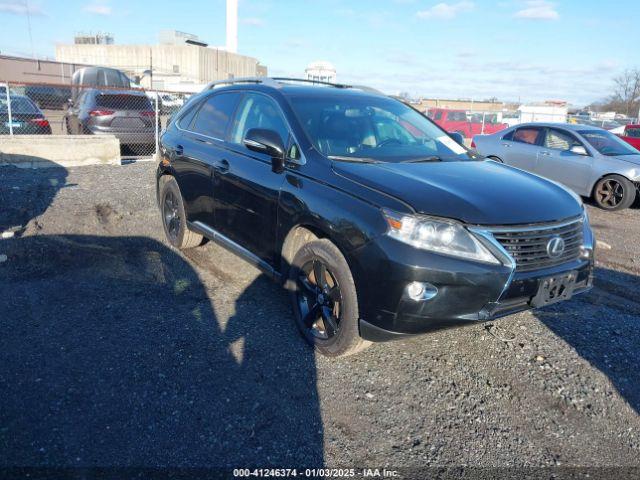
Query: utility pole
(151, 67)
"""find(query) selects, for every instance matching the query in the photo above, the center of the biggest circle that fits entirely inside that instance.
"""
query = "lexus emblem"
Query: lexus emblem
(555, 247)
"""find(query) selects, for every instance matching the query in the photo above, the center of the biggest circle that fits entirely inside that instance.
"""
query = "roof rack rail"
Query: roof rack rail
(307, 80)
(277, 82)
(231, 81)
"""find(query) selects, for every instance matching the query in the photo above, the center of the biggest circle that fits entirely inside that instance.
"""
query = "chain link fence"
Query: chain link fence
(134, 116)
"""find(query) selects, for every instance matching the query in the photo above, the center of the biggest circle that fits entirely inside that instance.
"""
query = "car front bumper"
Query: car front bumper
(467, 292)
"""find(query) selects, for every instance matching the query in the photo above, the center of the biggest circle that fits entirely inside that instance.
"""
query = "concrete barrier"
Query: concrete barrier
(37, 151)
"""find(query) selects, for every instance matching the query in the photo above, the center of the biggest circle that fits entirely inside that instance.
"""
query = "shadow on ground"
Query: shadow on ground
(603, 326)
(111, 355)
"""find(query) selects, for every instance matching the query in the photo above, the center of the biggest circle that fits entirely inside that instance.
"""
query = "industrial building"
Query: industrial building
(170, 65)
(29, 70)
(180, 61)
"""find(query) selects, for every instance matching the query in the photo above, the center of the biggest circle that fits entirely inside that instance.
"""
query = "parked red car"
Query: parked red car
(457, 121)
(631, 135)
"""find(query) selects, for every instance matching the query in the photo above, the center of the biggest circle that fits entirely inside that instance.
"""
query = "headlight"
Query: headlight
(441, 236)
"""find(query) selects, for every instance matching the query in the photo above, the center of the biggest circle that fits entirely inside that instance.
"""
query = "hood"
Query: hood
(476, 192)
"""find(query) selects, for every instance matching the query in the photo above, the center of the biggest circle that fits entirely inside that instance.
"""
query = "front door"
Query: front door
(246, 189)
(557, 162)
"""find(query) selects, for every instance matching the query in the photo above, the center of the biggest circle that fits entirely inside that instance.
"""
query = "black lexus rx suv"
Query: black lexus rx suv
(376, 220)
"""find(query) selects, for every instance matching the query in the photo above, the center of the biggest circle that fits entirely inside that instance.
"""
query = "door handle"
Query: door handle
(179, 149)
(506, 145)
(224, 166)
(546, 154)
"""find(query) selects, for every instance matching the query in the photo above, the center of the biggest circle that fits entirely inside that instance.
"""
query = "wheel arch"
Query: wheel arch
(301, 233)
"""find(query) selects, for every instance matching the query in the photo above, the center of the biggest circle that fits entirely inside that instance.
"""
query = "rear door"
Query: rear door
(557, 162)
(246, 189)
(520, 147)
(198, 148)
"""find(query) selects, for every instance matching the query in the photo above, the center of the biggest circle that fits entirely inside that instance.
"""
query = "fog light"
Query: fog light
(421, 291)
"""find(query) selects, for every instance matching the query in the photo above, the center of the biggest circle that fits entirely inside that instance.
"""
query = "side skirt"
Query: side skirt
(233, 247)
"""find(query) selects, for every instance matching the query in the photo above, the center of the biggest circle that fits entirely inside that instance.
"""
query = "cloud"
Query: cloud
(252, 21)
(20, 8)
(446, 11)
(538, 10)
(98, 8)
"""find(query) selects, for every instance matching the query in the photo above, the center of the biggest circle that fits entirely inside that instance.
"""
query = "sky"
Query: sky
(527, 50)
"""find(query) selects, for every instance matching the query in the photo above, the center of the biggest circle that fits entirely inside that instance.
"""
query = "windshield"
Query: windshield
(607, 143)
(372, 128)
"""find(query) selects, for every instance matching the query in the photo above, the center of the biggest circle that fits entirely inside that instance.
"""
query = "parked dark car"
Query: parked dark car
(97, 77)
(26, 117)
(378, 223)
(128, 115)
(48, 96)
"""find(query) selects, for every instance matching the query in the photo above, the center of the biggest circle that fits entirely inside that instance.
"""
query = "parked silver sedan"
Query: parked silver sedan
(591, 161)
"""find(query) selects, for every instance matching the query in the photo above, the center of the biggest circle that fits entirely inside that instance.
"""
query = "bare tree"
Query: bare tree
(627, 91)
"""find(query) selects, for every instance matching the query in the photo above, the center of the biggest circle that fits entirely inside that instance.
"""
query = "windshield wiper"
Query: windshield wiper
(353, 159)
(433, 158)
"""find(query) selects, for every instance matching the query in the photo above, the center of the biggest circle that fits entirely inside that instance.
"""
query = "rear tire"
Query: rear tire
(324, 299)
(174, 219)
(614, 192)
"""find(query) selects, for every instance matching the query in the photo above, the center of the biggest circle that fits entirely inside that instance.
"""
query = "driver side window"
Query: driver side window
(258, 111)
(559, 140)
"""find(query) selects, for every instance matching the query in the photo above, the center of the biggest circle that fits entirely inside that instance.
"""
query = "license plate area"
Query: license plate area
(554, 289)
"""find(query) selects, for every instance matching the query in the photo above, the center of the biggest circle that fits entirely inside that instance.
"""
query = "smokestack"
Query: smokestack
(232, 26)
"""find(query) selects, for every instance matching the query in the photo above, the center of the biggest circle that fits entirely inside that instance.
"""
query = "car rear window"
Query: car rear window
(18, 105)
(123, 102)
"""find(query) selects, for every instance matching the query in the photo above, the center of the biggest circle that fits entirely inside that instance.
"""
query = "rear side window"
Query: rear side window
(213, 118)
(437, 116)
(527, 135)
(559, 140)
(123, 102)
(185, 120)
(633, 132)
(457, 116)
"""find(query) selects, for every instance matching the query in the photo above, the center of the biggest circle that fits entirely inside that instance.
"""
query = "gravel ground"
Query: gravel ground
(117, 351)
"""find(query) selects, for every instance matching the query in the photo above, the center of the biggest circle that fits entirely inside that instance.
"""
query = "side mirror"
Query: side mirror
(459, 139)
(579, 150)
(268, 142)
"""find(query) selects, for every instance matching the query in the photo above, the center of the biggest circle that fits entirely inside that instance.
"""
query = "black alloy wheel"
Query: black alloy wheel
(319, 299)
(171, 214)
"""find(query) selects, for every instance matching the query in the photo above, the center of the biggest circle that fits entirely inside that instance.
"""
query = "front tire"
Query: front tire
(324, 299)
(174, 219)
(614, 192)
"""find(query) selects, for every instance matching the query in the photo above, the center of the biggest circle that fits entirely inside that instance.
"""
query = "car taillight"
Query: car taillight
(101, 113)
(473, 144)
(148, 114)
(41, 122)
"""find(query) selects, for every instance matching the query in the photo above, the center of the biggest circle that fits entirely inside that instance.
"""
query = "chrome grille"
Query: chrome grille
(528, 245)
